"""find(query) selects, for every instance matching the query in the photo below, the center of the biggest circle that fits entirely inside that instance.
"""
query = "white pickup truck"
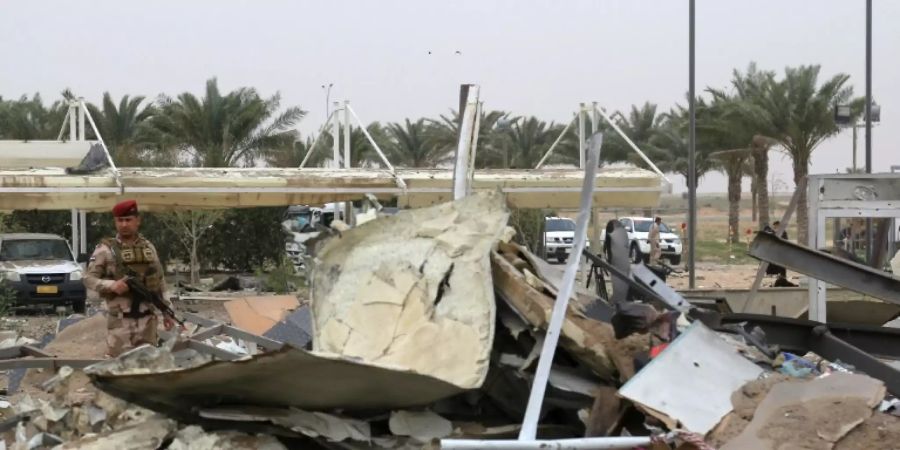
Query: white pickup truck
(639, 247)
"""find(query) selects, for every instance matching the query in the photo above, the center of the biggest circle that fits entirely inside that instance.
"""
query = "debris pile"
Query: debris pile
(426, 327)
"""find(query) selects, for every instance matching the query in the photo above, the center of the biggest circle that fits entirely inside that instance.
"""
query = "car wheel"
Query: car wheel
(561, 259)
(675, 259)
(635, 254)
(79, 306)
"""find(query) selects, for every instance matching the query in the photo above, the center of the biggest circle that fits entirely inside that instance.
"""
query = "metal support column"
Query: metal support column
(349, 218)
(692, 168)
(75, 234)
(336, 137)
(581, 135)
(82, 231)
(81, 127)
(870, 238)
(73, 125)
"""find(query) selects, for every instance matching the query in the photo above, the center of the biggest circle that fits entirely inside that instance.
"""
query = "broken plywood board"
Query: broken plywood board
(691, 381)
(191, 188)
(260, 313)
(810, 414)
(413, 290)
(287, 377)
(584, 338)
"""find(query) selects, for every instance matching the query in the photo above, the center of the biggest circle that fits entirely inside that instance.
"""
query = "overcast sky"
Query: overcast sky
(531, 57)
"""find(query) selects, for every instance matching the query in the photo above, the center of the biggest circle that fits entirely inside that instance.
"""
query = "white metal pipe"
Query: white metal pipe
(597, 443)
(384, 159)
(309, 151)
(551, 337)
(464, 146)
(109, 159)
(581, 136)
(595, 118)
(475, 133)
(81, 128)
(75, 233)
(73, 128)
(346, 134)
(632, 145)
(62, 129)
(82, 229)
(555, 143)
(296, 190)
(336, 138)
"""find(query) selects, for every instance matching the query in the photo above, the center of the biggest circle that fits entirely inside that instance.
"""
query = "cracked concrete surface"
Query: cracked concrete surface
(413, 290)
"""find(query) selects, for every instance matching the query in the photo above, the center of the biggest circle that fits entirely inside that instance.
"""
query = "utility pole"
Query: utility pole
(692, 167)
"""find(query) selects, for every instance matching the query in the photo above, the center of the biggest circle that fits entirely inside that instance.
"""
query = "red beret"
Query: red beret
(125, 208)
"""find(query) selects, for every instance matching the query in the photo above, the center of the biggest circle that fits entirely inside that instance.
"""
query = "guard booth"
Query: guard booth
(862, 211)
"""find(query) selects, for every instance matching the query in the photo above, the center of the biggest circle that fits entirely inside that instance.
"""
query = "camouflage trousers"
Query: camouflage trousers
(125, 333)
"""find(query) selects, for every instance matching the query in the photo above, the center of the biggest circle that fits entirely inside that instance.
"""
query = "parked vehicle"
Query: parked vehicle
(639, 246)
(559, 237)
(42, 269)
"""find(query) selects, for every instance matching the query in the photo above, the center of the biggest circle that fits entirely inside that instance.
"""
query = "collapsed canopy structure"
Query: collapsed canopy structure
(191, 188)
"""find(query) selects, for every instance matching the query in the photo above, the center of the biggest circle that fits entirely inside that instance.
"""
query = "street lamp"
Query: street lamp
(327, 89)
(843, 117)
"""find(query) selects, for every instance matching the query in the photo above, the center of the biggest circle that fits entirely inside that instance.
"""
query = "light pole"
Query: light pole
(843, 117)
(327, 89)
(872, 115)
(692, 168)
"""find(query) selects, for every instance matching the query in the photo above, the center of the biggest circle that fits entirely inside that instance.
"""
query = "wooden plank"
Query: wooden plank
(584, 338)
(28, 350)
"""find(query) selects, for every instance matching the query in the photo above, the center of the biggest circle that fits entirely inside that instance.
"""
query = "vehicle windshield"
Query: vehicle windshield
(300, 221)
(45, 249)
(643, 226)
(560, 225)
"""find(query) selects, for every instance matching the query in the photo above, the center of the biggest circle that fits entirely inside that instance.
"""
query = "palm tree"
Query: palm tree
(491, 143)
(410, 145)
(743, 115)
(640, 125)
(669, 149)
(734, 164)
(225, 130)
(802, 117)
(124, 128)
(527, 139)
(362, 153)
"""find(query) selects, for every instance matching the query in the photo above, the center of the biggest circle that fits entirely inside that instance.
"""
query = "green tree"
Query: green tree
(226, 130)
(669, 149)
(491, 148)
(802, 114)
(29, 119)
(124, 128)
(526, 141)
(362, 153)
(640, 125)
(744, 117)
(411, 144)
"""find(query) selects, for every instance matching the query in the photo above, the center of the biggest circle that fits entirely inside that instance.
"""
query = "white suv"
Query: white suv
(559, 237)
(639, 247)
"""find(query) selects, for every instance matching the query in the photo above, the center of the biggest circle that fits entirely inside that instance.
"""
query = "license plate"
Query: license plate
(47, 289)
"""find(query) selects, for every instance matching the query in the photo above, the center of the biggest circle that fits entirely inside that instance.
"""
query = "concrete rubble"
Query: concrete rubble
(427, 326)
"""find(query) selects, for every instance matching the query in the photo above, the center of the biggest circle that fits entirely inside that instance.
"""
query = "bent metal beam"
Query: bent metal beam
(825, 267)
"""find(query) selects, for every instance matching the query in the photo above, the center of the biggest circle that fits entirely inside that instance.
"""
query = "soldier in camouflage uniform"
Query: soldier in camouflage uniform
(106, 276)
